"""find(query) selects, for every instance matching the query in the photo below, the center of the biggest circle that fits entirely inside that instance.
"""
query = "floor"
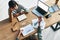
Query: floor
(49, 34)
(5, 31)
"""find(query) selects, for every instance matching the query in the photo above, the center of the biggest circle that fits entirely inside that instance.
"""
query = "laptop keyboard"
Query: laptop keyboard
(40, 10)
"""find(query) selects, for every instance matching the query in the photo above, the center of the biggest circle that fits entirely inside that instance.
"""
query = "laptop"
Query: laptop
(41, 9)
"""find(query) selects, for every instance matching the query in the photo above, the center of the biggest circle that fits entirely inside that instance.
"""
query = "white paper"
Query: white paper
(35, 23)
(27, 29)
(21, 17)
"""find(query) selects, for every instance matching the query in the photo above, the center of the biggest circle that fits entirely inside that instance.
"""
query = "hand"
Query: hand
(19, 34)
(21, 31)
(17, 14)
(24, 12)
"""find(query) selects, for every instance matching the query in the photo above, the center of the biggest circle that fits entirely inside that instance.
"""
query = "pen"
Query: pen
(14, 23)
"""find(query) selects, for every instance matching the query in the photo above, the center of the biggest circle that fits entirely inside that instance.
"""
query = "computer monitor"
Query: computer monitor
(43, 6)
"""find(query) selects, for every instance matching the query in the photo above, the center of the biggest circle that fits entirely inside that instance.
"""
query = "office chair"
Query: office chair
(57, 27)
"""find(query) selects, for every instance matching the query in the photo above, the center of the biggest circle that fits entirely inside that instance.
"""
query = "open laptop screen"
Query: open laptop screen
(43, 6)
(41, 11)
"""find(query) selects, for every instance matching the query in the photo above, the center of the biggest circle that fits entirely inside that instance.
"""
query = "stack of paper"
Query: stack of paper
(27, 29)
(21, 17)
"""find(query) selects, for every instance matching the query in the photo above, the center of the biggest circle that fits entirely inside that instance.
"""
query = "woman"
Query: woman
(15, 9)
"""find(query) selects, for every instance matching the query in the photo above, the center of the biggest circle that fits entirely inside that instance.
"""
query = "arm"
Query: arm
(25, 10)
(17, 14)
(10, 15)
(19, 34)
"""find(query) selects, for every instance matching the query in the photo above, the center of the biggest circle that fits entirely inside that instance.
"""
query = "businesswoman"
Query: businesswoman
(15, 9)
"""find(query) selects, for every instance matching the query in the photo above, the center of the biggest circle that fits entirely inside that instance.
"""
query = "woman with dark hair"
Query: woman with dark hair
(15, 9)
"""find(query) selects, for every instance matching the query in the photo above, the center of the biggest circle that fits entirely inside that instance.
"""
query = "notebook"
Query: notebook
(27, 29)
(35, 23)
(21, 17)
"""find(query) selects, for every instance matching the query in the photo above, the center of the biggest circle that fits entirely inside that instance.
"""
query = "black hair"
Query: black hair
(11, 0)
(12, 3)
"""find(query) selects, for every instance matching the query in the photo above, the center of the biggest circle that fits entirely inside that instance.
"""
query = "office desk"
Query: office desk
(25, 22)
(5, 26)
(53, 19)
(49, 21)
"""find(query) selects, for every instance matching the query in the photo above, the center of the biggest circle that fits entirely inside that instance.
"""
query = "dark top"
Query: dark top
(20, 8)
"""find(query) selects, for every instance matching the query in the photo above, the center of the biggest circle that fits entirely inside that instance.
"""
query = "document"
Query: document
(35, 23)
(21, 17)
(27, 29)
